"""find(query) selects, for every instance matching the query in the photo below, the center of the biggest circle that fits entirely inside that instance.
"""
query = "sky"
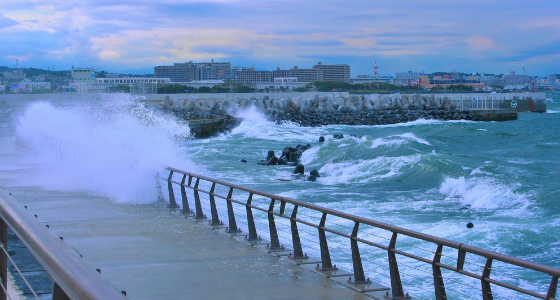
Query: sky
(484, 36)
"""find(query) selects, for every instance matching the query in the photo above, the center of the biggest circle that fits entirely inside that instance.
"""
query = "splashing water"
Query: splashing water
(114, 149)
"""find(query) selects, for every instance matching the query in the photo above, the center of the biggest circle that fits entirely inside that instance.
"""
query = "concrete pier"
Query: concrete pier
(154, 253)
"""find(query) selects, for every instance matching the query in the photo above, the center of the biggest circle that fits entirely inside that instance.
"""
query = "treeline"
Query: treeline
(227, 87)
(334, 86)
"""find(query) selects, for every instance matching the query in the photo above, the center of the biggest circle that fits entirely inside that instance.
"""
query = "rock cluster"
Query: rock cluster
(332, 109)
(290, 156)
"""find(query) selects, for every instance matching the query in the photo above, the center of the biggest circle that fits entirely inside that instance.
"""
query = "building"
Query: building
(252, 76)
(490, 80)
(513, 79)
(340, 73)
(285, 79)
(368, 80)
(29, 86)
(446, 81)
(189, 71)
(306, 75)
(142, 85)
(406, 78)
(83, 76)
(553, 79)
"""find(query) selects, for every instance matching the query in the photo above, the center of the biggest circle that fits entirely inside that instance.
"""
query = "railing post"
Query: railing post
(197, 204)
(4, 258)
(396, 284)
(231, 216)
(58, 293)
(213, 209)
(251, 221)
(186, 208)
(461, 255)
(326, 264)
(172, 203)
(274, 241)
(359, 276)
(486, 289)
(552, 288)
(298, 251)
(438, 277)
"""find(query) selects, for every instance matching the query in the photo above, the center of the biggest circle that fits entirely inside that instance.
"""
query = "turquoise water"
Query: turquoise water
(430, 176)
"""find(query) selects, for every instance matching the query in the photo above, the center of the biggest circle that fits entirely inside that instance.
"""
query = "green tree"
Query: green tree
(204, 89)
(460, 87)
(240, 88)
(437, 88)
(121, 88)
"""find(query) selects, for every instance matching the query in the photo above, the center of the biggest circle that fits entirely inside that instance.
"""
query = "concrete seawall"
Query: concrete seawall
(534, 102)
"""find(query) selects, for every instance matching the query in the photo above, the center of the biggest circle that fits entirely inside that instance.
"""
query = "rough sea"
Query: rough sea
(426, 175)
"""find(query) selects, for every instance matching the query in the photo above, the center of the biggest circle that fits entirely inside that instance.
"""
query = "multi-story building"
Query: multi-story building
(189, 71)
(446, 81)
(513, 79)
(339, 73)
(143, 85)
(553, 79)
(33, 86)
(406, 78)
(253, 76)
(368, 79)
(83, 76)
(179, 72)
(306, 75)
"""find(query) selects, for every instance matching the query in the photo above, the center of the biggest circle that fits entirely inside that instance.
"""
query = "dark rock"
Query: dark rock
(470, 225)
(243, 160)
(282, 161)
(338, 136)
(270, 155)
(321, 139)
(300, 169)
(313, 175)
(272, 161)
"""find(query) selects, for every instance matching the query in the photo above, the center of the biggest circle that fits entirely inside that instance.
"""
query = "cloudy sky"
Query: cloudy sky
(487, 36)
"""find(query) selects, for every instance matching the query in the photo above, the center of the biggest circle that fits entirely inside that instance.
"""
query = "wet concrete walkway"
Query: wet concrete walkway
(153, 253)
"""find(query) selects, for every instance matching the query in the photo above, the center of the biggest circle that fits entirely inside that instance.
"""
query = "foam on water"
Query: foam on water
(398, 140)
(113, 148)
(482, 193)
(365, 170)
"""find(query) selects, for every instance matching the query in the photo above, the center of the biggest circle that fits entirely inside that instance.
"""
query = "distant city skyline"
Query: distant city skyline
(135, 36)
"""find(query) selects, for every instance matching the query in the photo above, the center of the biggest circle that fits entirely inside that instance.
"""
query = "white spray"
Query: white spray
(112, 148)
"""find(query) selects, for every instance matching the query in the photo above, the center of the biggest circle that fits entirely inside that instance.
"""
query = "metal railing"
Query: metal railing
(274, 208)
(72, 278)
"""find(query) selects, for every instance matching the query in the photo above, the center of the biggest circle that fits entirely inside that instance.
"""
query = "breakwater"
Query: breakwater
(345, 109)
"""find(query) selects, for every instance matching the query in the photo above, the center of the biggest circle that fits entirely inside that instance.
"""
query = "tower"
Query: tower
(375, 69)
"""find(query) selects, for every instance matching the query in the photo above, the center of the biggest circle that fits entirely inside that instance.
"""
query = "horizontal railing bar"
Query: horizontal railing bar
(517, 289)
(68, 270)
(372, 243)
(395, 229)
(499, 283)
(411, 256)
(336, 232)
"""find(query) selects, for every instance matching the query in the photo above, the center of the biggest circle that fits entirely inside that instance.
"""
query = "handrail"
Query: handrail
(69, 273)
(396, 287)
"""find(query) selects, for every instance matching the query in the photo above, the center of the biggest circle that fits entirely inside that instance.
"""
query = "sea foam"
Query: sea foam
(113, 148)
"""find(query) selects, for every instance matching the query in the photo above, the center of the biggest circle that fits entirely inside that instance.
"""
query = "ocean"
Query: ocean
(430, 176)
